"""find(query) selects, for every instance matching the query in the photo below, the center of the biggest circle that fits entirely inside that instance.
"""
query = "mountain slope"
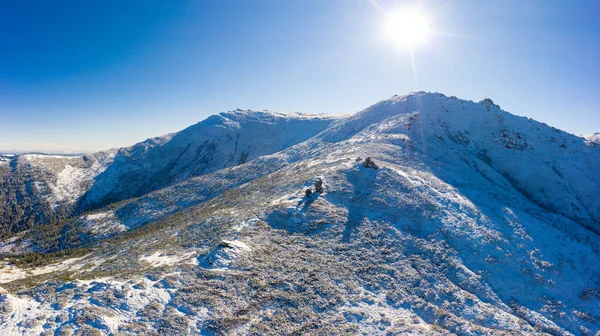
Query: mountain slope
(224, 140)
(37, 188)
(552, 168)
(448, 236)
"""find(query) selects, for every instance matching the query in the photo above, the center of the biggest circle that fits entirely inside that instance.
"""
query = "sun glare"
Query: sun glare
(407, 28)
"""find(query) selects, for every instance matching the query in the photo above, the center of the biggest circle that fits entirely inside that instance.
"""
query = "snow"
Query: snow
(102, 224)
(58, 180)
(69, 186)
(24, 308)
(99, 215)
(539, 155)
(33, 157)
(593, 138)
(11, 273)
(15, 245)
(158, 259)
(244, 224)
(225, 140)
(476, 222)
(229, 254)
(236, 245)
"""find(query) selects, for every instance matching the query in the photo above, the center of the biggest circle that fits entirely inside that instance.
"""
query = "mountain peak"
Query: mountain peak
(241, 114)
(466, 206)
(593, 138)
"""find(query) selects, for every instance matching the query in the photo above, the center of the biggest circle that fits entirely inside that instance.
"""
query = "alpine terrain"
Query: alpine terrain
(427, 215)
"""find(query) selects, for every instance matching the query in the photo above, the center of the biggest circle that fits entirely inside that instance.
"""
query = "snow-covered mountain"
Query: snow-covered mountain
(41, 187)
(221, 141)
(551, 168)
(476, 222)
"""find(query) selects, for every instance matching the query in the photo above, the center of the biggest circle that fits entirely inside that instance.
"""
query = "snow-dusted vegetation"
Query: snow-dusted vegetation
(43, 188)
(471, 221)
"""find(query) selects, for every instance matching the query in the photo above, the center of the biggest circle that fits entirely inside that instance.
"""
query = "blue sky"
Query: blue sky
(95, 74)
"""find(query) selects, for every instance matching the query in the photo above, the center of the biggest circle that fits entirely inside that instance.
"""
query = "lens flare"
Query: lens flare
(407, 28)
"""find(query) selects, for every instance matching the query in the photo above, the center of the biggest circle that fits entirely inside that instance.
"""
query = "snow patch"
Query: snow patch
(159, 259)
(15, 244)
(140, 293)
(23, 308)
(239, 227)
(68, 184)
(32, 157)
(11, 273)
(102, 223)
(229, 254)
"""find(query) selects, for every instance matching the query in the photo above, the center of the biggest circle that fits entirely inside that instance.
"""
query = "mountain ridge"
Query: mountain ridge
(451, 234)
(132, 171)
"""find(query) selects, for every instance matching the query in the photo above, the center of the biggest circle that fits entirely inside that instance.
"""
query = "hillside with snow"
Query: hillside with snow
(224, 140)
(476, 222)
(39, 187)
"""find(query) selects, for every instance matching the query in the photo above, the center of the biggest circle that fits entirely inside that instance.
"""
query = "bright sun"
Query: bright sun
(407, 28)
